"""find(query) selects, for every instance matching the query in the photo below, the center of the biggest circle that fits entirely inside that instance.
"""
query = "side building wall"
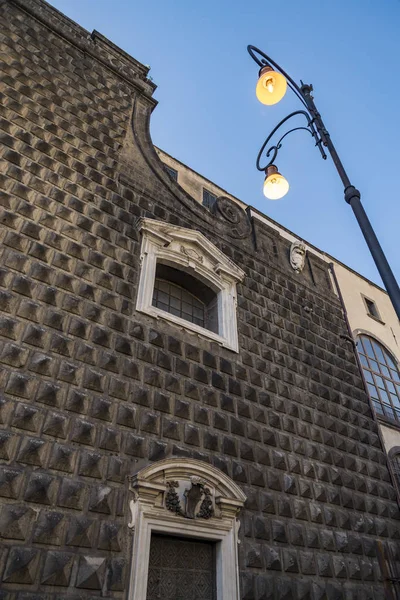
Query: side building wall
(92, 391)
(385, 329)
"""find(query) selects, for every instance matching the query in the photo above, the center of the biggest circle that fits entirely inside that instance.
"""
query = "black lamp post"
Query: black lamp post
(271, 88)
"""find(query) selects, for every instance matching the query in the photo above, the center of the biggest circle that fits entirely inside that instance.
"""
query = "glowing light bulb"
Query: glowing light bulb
(275, 185)
(271, 86)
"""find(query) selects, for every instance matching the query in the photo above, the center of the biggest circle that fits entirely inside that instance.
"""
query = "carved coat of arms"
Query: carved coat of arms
(193, 502)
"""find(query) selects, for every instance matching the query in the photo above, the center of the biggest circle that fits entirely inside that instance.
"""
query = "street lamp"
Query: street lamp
(270, 90)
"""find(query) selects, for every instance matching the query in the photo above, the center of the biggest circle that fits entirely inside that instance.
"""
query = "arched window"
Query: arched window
(382, 376)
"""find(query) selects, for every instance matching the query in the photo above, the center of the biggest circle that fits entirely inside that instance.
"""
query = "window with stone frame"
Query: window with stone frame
(187, 280)
(382, 377)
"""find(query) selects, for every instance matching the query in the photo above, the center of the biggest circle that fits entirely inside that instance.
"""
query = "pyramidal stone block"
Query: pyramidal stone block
(71, 494)
(26, 417)
(80, 532)
(21, 566)
(57, 568)
(109, 537)
(91, 572)
(62, 458)
(15, 522)
(7, 444)
(32, 451)
(91, 464)
(49, 528)
(10, 482)
(40, 488)
(55, 425)
(101, 499)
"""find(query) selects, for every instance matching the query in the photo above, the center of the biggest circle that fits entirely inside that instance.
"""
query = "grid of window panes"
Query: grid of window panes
(382, 376)
(209, 199)
(178, 301)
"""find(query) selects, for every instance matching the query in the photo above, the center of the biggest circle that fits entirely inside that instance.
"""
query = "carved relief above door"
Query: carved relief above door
(185, 507)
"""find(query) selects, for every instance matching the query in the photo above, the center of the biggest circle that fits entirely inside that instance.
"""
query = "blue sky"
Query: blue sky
(208, 116)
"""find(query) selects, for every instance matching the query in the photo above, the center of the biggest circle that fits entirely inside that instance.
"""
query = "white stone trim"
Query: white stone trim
(149, 514)
(190, 251)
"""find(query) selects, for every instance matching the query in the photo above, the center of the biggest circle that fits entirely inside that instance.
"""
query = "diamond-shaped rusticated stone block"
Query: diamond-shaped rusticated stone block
(116, 575)
(119, 388)
(126, 416)
(72, 494)
(8, 444)
(253, 557)
(22, 386)
(33, 451)
(83, 432)
(110, 439)
(50, 393)
(35, 336)
(43, 364)
(6, 408)
(101, 499)
(41, 488)
(91, 464)
(109, 537)
(21, 567)
(70, 373)
(93, 380)
(57, 568)
(16, 521)
(247, 585)
(49, 528)
(56, 425)
(101, 409)
(62, 458)
(10, 482)
(91, 572)
(80, 532)
(14, 355)
(27, 417)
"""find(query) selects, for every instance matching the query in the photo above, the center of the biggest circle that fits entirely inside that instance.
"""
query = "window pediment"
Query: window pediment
(190, 247)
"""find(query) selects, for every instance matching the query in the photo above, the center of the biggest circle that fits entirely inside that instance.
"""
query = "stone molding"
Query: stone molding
(190, 251)
(150, 513)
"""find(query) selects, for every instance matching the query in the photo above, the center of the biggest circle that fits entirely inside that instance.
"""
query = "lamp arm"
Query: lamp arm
(310, 128)
(317, 128)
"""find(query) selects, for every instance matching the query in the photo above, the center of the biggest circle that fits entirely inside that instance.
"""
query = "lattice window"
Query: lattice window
(382, 377)
(209, 199)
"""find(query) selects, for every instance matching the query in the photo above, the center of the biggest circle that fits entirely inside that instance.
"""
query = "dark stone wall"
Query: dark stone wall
(92, 390)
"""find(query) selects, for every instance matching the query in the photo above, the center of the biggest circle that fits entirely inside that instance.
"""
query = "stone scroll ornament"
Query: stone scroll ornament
(197, 500)
(298, 256)
(229, 211)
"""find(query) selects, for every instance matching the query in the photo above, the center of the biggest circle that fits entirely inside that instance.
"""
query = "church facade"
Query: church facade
(182, 413)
